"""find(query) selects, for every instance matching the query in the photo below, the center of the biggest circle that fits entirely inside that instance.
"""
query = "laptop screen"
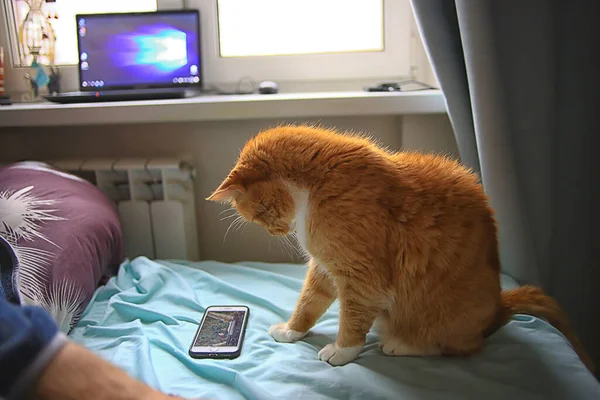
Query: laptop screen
(139, 50)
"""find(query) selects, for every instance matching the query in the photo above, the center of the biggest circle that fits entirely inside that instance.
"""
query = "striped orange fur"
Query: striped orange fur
(405, 240)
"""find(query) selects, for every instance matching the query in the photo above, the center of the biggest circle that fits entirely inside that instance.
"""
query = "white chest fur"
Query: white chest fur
(302, 212)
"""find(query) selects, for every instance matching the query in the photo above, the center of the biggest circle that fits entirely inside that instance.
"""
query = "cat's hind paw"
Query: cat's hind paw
(337, 356)
(281, 333)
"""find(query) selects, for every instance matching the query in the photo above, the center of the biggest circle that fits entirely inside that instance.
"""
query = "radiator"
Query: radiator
(154, 199)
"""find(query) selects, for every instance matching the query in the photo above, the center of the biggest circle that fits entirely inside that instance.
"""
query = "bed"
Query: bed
(144, 319)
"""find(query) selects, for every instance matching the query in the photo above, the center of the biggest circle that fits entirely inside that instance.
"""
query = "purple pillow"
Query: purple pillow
(65, 236)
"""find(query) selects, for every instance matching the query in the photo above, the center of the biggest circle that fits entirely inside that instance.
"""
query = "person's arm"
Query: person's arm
(39, 362)
(29, 339)
(76, 373)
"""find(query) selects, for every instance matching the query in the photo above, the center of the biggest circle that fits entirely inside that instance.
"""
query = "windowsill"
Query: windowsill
(222, 108)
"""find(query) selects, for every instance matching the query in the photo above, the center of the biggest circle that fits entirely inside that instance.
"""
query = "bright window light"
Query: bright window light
(61, 15)
(289, 27)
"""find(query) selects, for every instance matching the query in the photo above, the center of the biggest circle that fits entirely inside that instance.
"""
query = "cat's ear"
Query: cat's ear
(227, 190)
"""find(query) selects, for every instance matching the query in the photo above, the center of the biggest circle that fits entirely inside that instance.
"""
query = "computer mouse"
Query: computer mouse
(268, 87)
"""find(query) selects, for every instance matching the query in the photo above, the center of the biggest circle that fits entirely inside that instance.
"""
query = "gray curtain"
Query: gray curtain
(520, 79)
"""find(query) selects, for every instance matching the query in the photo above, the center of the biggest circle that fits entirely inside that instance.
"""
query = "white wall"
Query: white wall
(213, 148)
(429, 133)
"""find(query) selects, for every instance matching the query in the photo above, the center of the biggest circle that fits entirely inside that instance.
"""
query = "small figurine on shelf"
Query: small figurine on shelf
(37, 77)
(39, 74)
(54, 82)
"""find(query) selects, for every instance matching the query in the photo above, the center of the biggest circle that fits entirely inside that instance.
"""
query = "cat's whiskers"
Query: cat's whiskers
(285, 244)
(279, 244)
(294, 235)
(228, 209)
(302, 253)
(240, 224)
(292, 245)
(230, 225)
(229, 216)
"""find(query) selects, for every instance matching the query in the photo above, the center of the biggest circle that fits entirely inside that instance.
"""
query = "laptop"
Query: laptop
(137, 56)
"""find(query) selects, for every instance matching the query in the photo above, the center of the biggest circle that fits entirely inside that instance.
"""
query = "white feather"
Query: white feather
(22, 215)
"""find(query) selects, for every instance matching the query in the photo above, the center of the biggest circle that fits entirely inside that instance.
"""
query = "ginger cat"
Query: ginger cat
(404, 240)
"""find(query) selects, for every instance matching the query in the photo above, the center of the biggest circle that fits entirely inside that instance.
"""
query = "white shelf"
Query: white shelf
(220, 108)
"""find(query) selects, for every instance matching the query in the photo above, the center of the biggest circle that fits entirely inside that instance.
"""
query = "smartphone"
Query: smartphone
(221, 332)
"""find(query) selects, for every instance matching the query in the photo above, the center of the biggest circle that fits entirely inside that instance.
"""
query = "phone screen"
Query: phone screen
(221, 329)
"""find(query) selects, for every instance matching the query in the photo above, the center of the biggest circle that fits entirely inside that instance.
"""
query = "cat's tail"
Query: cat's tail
(533, 301)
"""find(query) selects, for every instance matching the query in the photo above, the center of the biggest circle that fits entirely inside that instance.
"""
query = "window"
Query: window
(246, 27)
(305, 40)
(281, 40)
(60, 23)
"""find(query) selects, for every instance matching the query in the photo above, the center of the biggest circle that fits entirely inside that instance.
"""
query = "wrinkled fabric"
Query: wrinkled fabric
(144, 321)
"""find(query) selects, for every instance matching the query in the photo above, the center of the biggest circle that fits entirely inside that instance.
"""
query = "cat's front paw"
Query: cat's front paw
(281, 333)
(337, 356)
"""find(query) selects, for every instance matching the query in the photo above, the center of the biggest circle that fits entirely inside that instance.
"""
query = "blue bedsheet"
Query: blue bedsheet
(145, 318)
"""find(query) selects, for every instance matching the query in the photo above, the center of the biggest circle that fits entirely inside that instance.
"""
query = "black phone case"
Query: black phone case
(217, 356)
